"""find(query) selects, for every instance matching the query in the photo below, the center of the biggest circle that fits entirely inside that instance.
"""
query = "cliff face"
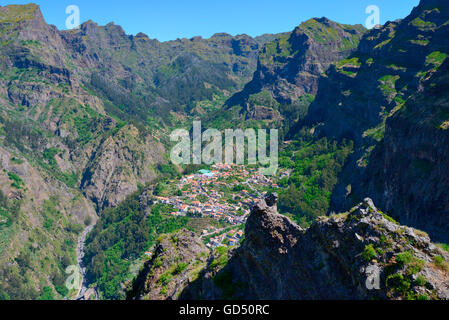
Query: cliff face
(409, 169)
(390, 64)
(383, 97)
(120, 164)
(335, 258)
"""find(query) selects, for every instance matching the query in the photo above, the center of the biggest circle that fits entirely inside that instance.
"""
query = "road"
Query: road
(80, 254)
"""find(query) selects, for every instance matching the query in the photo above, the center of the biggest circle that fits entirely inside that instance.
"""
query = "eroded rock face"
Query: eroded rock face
(176, 262)
(388, 98)
(122, 162)
(409, 169)
(290, 66)
(338, 257)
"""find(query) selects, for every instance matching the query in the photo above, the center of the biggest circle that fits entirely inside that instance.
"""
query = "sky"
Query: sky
(171, 19)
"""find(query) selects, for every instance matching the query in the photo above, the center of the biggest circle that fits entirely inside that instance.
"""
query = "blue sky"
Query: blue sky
(171, 19)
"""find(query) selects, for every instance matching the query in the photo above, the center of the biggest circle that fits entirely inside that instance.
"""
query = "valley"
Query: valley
(87, 179)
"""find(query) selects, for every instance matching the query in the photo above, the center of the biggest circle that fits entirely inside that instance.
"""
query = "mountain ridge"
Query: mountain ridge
(85, 117)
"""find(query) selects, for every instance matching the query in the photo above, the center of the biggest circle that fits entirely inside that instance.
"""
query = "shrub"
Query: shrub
(88, 221)
(369, 253)
(398, 283)
(414, 264)
(441, 263)
(404, 258)
(17, 182)
(180, 268)
(47, 294)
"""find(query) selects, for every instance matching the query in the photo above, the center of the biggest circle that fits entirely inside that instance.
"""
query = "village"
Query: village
(225, 193)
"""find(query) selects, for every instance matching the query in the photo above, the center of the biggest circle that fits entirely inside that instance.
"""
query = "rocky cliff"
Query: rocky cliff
(289, 68)
(373, 98)
(409, 169)
(361, 254)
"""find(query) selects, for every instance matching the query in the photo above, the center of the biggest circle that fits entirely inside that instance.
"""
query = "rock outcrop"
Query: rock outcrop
(176, 262)
(289, 67)
(361, 254)
(407, 173)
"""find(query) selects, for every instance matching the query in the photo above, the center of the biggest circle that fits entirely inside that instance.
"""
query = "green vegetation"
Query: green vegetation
(436, 58)
(47, 294)
(264, 99)
(386, 216)
(42, 251)
(122, 235)
(17, 161)
(369, 253)
(413, 264)
(421, 42)
(421, 281)
(49, 156)
(444, 246)
(180, 268)
(383, 43)
(441, 263)
(17, 13)
(221, 258)
(348, 66)
(277, 48)
(165, 279)
(350, 62)
(315, 167)
(420, 23)
(377, 133)
(388, 84)
(400, 284)
(17, 182)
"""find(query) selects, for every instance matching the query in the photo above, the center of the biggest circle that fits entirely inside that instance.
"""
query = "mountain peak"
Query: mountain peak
(20, 13)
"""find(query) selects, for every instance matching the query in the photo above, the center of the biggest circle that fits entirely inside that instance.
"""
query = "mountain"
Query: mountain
(278, 260)
(84, 116)
(288, 69)
(419, 194)
(369, 97)
(178, 259)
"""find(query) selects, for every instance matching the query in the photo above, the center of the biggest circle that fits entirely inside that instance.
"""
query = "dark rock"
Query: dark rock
(333, 259)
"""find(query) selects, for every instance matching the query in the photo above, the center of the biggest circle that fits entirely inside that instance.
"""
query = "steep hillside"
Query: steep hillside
(393, 67)
(151, 73)
(388, 67)
(83, 120)
(41, 213)
(286, 79)
(177, 261)
(333, 259)
(409, 169)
